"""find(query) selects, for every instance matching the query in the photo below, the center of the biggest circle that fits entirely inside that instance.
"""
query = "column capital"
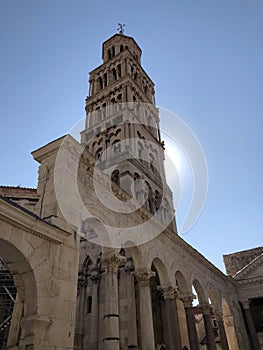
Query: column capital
(218, 315)
(205, 308)
(112, 261)
(245, 304)
(143, 276)
(187, 299)
(168, 292)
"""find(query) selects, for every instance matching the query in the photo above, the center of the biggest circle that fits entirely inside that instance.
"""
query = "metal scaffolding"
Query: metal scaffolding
(7, 298)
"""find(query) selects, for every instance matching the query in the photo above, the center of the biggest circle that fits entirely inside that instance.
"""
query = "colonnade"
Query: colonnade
(141, 330)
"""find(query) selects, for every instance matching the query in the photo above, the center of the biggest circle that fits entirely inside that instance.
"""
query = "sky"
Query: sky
(205, 58)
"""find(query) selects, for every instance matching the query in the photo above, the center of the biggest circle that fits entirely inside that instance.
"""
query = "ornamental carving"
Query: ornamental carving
(112, 262)
(143, 276)
(168, 292)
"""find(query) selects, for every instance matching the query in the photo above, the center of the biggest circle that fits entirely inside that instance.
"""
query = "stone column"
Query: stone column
(222, 331)
(143, 277)
(111, 262)
(250, 325)
(95, 278)
(173, 330)
(132, 324)
(211, 343)
(191, 327)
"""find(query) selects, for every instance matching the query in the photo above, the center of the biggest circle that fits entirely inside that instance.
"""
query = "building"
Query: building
(94, 252)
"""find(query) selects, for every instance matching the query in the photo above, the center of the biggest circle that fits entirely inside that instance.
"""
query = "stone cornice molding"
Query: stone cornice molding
(196, 255)
(254, 280)
(245, 271)
(30, 223)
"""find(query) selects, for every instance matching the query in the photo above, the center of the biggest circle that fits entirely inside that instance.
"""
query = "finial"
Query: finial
(120, 28)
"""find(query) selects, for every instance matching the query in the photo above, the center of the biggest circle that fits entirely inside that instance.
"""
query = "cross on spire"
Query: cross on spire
(121, 28)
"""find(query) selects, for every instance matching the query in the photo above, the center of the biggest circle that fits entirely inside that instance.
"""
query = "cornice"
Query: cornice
(245, 271)
(30, 222)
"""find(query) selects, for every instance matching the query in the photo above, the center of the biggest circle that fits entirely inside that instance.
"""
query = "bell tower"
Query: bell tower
(122, 123)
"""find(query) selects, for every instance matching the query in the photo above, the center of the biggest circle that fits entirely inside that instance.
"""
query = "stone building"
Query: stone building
(91, 259)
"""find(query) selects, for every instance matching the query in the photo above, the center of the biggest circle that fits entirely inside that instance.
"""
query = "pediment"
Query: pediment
(253, 270)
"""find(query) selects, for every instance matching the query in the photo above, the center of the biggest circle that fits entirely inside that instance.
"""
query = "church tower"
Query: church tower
(122, 125)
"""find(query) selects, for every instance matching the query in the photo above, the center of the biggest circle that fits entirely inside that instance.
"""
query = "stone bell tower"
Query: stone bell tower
(122, 124)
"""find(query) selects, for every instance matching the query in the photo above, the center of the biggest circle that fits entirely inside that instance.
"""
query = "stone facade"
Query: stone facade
(94, 251)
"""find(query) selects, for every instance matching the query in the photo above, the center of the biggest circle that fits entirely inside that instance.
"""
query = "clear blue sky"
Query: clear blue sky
(206, 58)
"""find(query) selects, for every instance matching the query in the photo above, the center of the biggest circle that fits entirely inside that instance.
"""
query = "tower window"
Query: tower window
(100, 83)
(119, 70)
(115, 176)
(116, 146)
(109, 54)
(121, 48)
(113, 51)
(98, 153)
(105, 79)
(114, 74)
(89, 305)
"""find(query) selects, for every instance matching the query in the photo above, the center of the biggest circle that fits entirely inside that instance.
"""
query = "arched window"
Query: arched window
(113, 51)
(119, 70)
(152, 162)
(109, 54)
(114, 74)
(100, 83)
(89, 305)
(115, 176)
(105, 79)
(121, 48)
(150, 198)
(157, 200)
(116, 146)
(98, 154)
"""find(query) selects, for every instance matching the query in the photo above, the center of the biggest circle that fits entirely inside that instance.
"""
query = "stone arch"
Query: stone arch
(162, 271)
(213, 296)
(181, 284)
(15, 253)
(136, 254)
(200, 290)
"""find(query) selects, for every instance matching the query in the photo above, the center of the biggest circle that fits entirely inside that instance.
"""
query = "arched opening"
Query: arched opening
(158, 308)
(198, 292)
(18, 299)
(182, 289)
(7, 299)
(115, 176)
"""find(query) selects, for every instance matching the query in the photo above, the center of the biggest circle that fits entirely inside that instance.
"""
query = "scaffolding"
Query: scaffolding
(7, 299)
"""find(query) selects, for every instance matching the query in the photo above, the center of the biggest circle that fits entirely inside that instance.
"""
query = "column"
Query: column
(172, 319)
(143, 277)
(250, 325)
(211, 343)
(192, 333)
(93, 325)
(222, 331)
(132, 324)
(111, 262)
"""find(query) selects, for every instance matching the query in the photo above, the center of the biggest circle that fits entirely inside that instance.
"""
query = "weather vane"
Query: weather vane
(120, 28)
